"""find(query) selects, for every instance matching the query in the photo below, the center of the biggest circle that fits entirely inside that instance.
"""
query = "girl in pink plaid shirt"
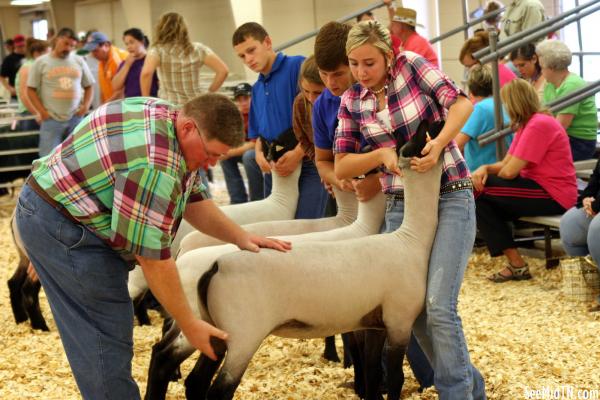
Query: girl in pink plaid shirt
(392, 96)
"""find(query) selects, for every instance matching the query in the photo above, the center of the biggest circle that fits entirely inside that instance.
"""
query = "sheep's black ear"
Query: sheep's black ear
(417, 142)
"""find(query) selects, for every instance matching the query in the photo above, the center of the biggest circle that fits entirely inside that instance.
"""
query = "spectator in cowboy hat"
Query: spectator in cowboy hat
(403, 22)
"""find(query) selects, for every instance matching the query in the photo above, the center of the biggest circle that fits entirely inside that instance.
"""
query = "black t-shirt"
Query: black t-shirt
(10, 67)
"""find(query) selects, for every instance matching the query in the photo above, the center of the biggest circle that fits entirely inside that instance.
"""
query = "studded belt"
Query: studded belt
(454, 186)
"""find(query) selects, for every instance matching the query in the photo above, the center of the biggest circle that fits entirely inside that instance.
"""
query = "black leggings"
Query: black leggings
(505, 200)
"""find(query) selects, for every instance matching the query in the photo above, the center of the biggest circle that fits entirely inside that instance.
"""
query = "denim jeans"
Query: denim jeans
(53, 132)
(580, 234)
(313, 196)
(235, 182)
(439, 328)
(86, 285)
(27, 124)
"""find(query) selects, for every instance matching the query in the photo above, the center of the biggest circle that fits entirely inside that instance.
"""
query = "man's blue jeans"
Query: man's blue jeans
(580, 234)
(313, 196)
(235, 182)
(439, 328)
(86, 285)
(53, 132)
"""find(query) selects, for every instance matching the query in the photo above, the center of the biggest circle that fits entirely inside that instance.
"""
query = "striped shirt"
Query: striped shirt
(121, 173)
(179, 74)
(416, 91)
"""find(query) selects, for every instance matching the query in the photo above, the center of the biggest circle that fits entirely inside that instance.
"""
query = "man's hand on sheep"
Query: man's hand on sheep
(199, 332)
(255, 242)
(288, 162)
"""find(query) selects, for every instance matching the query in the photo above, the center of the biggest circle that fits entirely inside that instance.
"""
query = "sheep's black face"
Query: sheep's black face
(274, 150)
(417, 142)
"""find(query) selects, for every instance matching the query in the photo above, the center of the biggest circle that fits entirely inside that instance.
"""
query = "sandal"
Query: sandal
(516, 274)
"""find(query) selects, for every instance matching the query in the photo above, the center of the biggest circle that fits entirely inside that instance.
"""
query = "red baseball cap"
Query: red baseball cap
(19, 40)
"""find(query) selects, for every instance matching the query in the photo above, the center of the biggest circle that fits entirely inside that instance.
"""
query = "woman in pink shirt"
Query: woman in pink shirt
(537, 177)
(479, 41)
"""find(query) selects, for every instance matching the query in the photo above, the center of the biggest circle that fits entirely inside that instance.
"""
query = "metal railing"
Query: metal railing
(313, 33)
(536, 29)
(464, 27)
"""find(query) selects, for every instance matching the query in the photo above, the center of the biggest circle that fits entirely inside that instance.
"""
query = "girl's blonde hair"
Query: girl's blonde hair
(371, 32)
(171, 30)
(521, 101)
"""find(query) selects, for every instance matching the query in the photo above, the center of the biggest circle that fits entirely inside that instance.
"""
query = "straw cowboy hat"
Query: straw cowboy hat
(406, 16)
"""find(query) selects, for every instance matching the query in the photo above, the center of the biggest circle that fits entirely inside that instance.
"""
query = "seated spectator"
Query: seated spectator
(128, 73)
(537, 177)
(580, 119)
(521, 15)
(480, 41)
(109, 58)
(482, 120)
(11, 64)
(243, 154)
(34, 49)
(579, 227)
(527, 63)
(403, 22)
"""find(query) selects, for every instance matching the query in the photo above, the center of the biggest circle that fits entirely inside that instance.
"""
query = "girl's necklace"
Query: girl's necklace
(380, 90)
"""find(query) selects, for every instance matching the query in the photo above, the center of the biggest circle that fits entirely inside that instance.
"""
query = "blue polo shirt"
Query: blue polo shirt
(273, 98)
(325, 120)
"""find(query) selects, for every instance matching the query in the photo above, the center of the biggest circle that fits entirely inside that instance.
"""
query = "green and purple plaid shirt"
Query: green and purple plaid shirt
(121, 173)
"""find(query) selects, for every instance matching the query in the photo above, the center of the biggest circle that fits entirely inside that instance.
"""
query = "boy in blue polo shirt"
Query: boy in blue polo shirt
(271, 113)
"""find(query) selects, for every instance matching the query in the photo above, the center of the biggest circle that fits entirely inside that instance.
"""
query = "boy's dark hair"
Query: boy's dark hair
(252, 30)
(330, 46)
(480, 81)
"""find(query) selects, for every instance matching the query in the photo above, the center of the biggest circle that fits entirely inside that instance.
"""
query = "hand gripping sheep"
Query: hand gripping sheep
(320, 289)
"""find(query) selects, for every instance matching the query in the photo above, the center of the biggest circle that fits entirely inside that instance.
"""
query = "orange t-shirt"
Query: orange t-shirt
(107, 70)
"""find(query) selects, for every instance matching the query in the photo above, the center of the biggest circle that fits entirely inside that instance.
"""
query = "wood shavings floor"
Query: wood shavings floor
(521, 335)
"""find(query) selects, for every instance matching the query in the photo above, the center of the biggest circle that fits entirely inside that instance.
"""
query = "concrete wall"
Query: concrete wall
(105, 16)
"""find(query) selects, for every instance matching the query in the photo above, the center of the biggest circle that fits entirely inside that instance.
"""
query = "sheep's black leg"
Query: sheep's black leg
(140, 309)
(198, 381)
(347, 355)
(373, 347)
(330, 352)
(355, 344)
(15, 284)
(167, 355)
(31, 301)
(395, 374)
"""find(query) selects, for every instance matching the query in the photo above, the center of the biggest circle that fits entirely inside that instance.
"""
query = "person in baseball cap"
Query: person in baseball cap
(109, 58)
(242, 89)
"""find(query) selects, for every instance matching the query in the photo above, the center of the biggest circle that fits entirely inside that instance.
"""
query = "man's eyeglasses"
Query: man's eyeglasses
(208, 153)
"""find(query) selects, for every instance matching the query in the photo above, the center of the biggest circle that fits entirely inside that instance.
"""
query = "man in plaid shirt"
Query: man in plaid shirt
(112, 193)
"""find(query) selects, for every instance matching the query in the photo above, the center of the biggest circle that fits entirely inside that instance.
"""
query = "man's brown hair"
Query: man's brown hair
(252, 30)
(330, 46)
(218, 117)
